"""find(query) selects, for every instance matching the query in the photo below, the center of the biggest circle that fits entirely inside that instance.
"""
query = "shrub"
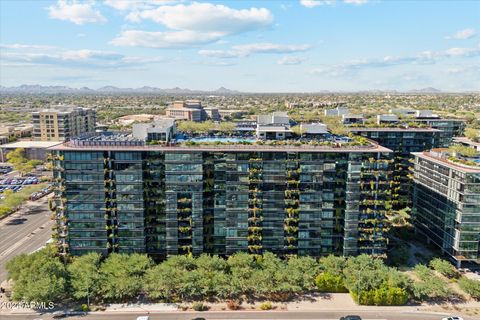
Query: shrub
(266, 306)
(233, 305)
(429, 286)
(444, 267)
(327, 282)
(85, 308)
(382, 297)
(198, 306)
(472, 287)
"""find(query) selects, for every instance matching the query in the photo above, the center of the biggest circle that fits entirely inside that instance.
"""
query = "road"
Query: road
(24, 232)
(252, 315)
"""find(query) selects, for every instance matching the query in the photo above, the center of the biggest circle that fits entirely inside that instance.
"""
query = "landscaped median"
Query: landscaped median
(266, 280)
(13, 200)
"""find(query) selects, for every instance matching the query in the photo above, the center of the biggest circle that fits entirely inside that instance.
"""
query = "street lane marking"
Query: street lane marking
(25, 239)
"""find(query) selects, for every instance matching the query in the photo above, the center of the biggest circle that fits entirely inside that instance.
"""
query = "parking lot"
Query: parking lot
(10, 180)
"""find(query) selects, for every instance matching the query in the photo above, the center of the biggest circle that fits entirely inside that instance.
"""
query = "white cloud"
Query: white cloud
(317, 3)
(126, 5)
(26, 46)
(289, 60)
(168, 39)
(462, 52)
(84, 58)
(270, 48)
(357, 2)
(423, 58)
(246, 50)
(219, 53)
(206, 17)
(463, 34)
(78, 13)
(192, 24)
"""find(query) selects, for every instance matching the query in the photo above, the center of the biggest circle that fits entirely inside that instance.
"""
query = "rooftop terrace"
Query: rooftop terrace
(124, 141)
(442, 156)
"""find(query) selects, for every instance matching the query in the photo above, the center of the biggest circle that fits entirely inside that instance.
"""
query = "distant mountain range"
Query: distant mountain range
(39, 89)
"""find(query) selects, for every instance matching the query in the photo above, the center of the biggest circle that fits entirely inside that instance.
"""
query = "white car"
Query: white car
(453, 318)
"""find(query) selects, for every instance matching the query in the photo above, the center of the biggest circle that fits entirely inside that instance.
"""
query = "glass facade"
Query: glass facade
(403, 142)
(220, 202)
(447, 207)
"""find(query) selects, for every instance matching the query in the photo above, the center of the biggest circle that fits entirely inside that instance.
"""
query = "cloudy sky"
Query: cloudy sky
(260, 46)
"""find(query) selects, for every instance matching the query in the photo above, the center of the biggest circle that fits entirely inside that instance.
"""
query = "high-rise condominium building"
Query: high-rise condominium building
(221, 199)
(446, 203)
(403, 141)
(63, 123)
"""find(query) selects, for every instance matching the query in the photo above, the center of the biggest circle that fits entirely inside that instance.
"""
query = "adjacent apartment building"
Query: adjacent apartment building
(446, 204)
(63, 123)
(403, 141)
(221, 199)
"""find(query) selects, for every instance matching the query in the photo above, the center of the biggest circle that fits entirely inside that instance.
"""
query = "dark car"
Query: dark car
(351, 318)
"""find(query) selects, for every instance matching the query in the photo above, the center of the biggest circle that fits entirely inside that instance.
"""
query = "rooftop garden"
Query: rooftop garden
(330, 141)
(401, 124)
(194, 128)
(463, 155)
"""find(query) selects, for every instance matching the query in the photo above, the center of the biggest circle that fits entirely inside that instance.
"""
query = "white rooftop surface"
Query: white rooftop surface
(30, 144)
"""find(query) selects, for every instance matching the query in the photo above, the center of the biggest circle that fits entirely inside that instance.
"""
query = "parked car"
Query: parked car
(453, 318)
(351, 317)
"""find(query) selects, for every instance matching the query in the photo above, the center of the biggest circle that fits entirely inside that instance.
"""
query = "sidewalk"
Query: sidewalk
(336, 302)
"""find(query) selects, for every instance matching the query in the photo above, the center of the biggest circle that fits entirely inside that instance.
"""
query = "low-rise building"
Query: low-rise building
(337, 112)
(348, 119)
(34, 150)
(467, 143)
(274, 126)
(403, 112)
(160, 130)
(212, 113)
(387, 118)
(190, 110)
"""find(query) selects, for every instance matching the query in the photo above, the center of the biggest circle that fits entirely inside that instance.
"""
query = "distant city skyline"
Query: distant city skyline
(250, 46)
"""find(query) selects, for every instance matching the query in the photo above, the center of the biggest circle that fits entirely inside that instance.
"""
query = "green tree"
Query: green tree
(333, 264)
(302, 271)
(242, 266)
(84, 275)
(121, 275)
(429, 286)
(40, 276)
(444, 267)
(462, 150)
(213, 278)
(327, 282)
(226, 127)
(298, 130)
(470, 286)
(472, 134)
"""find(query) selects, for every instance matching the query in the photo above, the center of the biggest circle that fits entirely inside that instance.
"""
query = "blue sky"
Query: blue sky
(257, 46)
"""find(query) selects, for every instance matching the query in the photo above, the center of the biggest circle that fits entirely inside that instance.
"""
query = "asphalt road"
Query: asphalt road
(24, 232)
(252, 315)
